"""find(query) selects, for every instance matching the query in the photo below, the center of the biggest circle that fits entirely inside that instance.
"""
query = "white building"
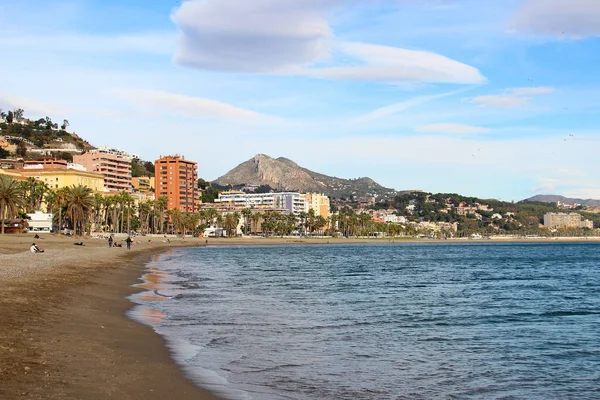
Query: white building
(290, 201)
(40, 222)
(395, 219)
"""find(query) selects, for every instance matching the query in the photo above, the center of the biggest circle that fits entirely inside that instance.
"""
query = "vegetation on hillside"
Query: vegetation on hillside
(41, 133)
(498, 218)
(141, 168)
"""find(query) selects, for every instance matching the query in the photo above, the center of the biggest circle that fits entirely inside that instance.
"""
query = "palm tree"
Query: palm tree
(247, 213)
(11, 198)
(79, 202)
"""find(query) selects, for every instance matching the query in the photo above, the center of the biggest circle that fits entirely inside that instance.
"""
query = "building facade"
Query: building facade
(177, 179)
(57, 178)
(319, 203)
(113, 164)
(292, 202)
(566, 221)
(144, 184)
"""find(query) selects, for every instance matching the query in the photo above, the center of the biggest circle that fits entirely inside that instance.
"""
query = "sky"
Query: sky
(495, 99)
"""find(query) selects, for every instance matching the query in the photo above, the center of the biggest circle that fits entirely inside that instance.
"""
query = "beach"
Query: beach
(64, 331)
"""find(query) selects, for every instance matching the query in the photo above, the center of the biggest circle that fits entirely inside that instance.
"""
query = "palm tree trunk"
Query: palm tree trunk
(2, 218)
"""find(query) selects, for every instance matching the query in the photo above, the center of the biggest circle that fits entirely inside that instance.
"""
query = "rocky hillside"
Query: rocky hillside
(283, 174)
(549, 198)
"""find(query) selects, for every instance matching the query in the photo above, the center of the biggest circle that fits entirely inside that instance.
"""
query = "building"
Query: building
(113, 164)
(290, 201)
(48, 163)
(144, 184)
(395, 219)
(319, 203)
(566, 221)
(59, 177)
(177, 179)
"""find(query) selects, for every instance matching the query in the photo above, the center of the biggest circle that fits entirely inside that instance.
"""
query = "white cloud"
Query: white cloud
(561, 18)
(252, 36)
(393, 64)
(402, 106)
(527, 91)
(452, 128)
(32, 107)
(190, 107)
(501, 101)
(292, 37)
(514, 98)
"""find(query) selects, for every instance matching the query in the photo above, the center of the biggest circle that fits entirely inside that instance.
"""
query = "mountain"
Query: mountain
(550, 198)
(285, 175)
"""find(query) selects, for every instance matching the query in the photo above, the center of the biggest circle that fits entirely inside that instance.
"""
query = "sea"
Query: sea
(381, 321)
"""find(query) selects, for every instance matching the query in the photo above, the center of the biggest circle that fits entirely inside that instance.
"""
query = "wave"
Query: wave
(568, 313)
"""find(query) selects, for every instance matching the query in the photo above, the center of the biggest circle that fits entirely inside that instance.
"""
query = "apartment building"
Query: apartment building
(57, 177)
(144, 184)
(113, 164)
(566, 221)
(177, 179)
(290, 201)
(319, 203)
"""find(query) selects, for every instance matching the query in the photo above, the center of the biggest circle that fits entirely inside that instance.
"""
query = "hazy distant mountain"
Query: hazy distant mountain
(550, 198)
(285, 175)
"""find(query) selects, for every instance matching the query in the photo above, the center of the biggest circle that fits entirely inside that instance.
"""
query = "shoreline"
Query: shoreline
(65, 331)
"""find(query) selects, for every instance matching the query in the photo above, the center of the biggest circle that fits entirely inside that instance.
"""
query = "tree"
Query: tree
(209, 195)
(4, 153)
(33, 194)
(18, 113)
(11, 198)
(149, 166)
(79, 203)
(64, 125)
(202, 184)
(49, 123)
(10, 117)
(21, 149)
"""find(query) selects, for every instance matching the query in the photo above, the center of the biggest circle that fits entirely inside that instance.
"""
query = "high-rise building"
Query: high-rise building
(113, 164)
(177, 179)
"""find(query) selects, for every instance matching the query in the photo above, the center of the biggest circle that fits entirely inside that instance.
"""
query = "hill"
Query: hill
(35, 138)
(550, 198)
(285, 175)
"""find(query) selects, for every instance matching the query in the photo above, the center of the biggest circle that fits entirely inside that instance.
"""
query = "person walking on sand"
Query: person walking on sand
(110, 241)
(128, 241)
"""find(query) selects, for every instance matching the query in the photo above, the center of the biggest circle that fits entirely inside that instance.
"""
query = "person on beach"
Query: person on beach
(35, 249)
(110, 241)
(128, 241)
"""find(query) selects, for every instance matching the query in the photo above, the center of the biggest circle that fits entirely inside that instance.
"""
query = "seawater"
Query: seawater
(394, 321)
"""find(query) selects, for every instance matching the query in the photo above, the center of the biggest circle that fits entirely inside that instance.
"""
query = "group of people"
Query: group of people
(113, 243)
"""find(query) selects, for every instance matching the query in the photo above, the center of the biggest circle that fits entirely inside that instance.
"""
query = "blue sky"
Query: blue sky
(468, 96)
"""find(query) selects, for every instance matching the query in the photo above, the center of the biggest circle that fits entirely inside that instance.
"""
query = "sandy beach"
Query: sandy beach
(64, 331)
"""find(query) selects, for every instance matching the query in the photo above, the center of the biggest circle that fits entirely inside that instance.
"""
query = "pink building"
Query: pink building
(114, 164)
